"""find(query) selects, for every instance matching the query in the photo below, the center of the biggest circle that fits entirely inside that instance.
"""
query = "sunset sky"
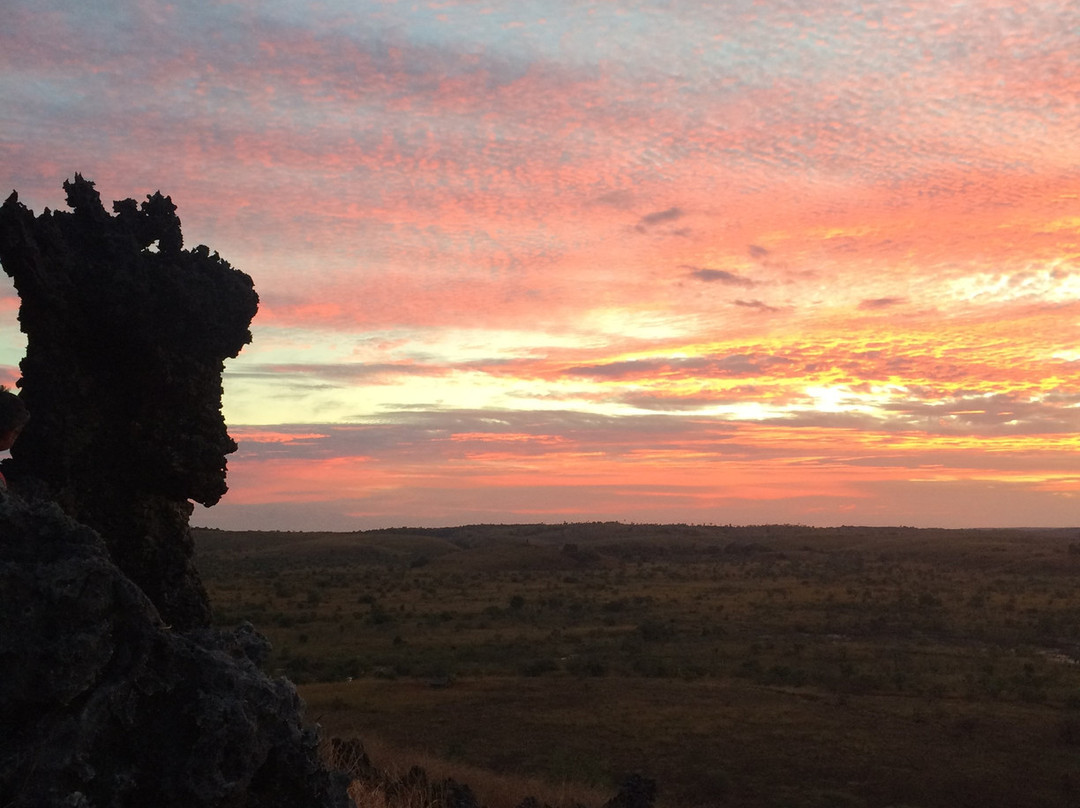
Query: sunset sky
(742, 261)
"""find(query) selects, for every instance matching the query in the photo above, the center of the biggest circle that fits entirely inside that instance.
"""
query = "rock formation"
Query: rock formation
(127, 334)
(102, 706)
(114, 691)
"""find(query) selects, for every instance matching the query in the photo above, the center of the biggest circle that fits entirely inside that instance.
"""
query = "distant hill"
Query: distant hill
(574, 545)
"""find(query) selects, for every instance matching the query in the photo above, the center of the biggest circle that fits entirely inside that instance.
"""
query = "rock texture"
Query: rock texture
(114, 691)
(102, 706)
(127, 334)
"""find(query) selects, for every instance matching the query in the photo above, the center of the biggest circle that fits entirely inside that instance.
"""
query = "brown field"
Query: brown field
(759, 666)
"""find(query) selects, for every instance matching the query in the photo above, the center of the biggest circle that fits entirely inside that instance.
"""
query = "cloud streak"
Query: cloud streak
(719, 276)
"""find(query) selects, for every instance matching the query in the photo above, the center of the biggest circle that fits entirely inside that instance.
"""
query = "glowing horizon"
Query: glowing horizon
(542, 261)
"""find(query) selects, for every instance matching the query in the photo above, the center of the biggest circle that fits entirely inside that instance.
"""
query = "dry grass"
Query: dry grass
(393, 764)
(368, 796)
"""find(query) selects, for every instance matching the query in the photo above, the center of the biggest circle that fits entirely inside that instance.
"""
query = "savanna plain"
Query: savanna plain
(735, 666)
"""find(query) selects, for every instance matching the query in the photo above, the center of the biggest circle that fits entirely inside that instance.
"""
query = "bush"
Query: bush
(538, 667)
(653, 631)
(586, 666)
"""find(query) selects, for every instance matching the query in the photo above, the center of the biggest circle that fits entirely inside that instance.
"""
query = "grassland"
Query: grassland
(759, 666)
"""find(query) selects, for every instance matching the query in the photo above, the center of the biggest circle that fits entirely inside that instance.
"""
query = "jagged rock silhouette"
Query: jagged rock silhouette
(127, 334)
(114, 691)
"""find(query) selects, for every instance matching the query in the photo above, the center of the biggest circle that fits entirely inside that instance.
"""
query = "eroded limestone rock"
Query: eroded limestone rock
(127, 334)
(114, 691)
(103, 706)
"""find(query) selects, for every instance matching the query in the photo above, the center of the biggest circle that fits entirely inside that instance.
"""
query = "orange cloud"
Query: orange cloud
(809, 255)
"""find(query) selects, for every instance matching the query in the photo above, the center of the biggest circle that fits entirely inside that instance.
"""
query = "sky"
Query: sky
(727, 262)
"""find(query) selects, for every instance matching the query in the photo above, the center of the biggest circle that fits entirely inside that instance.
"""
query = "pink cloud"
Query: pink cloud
(686, 214)
(757, 473)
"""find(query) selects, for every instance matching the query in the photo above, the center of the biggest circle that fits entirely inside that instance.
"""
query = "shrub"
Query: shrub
(538, 667)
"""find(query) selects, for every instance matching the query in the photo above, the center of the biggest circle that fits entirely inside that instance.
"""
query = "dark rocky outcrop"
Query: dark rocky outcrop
(114, 690)
(102, 706)
(127, 334)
